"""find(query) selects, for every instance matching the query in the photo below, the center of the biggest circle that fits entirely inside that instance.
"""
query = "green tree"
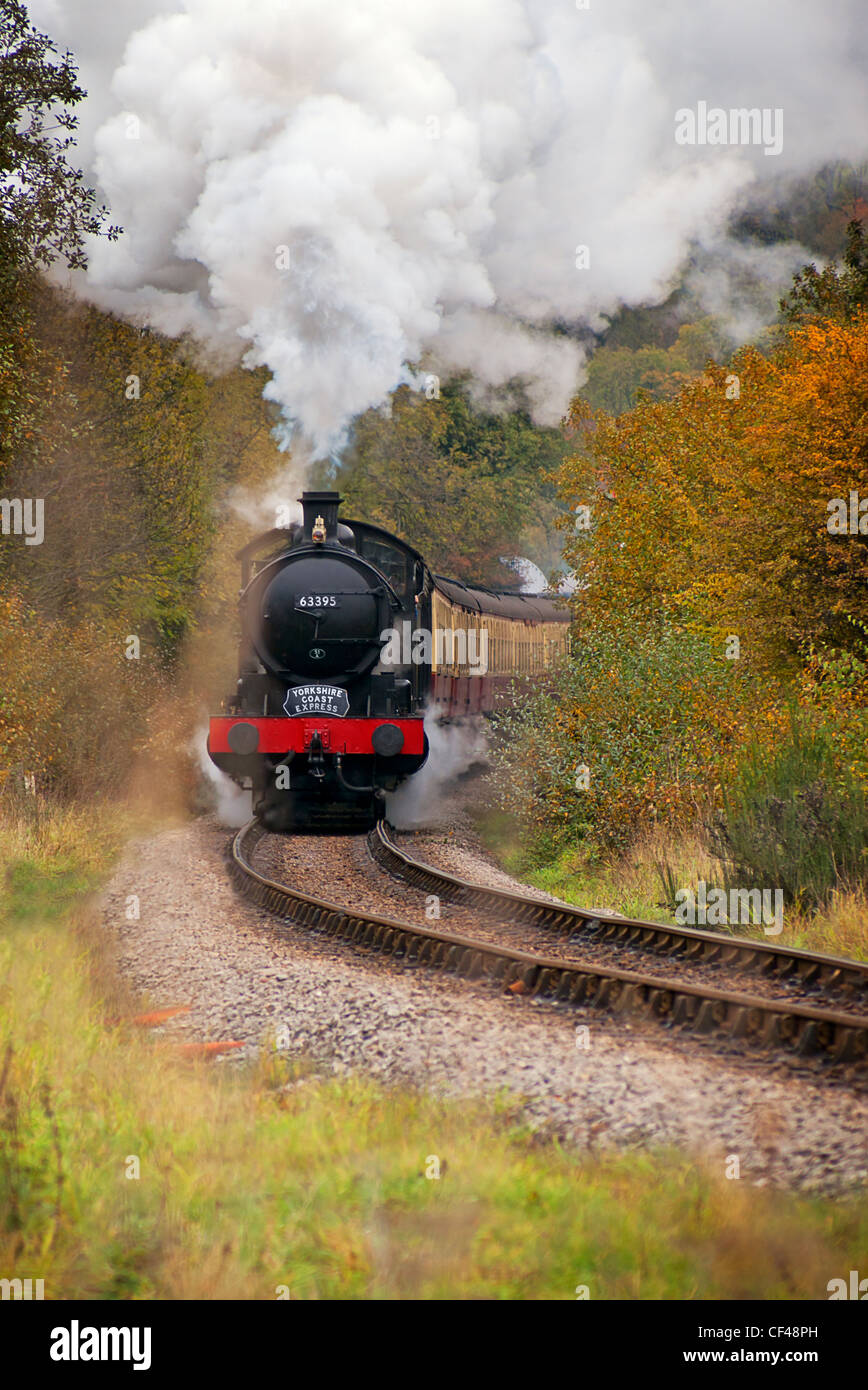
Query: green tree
(832, 293)
(462, 485)
(46, 207)
(617, 374)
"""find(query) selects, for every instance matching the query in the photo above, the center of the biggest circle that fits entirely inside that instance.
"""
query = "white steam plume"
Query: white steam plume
(453, 750)
(231, 803)
(430, 170)
(533, 581)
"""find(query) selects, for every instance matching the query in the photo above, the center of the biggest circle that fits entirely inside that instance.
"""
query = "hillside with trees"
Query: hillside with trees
(706, 475)
(718, 686)
(465, 487)
(710, 723)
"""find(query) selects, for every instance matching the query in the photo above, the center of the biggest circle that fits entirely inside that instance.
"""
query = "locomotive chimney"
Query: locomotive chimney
(321, 511)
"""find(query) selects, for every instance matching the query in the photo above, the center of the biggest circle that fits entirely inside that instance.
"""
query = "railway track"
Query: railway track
(806, 969)
(757, 1021)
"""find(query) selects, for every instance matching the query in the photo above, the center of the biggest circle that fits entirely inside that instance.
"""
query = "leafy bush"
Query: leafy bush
(73, 710)
(650, 709)
(461, 484)
(796, 816)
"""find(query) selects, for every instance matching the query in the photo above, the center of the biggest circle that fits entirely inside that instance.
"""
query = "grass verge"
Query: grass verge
(631, 884)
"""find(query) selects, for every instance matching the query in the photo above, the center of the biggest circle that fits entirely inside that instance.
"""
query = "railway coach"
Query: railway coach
(347, 638)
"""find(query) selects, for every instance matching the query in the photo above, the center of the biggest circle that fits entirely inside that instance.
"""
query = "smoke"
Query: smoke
(349, 193)
(453, 750)
(741, 284)
(276, 505)
(231, 803)
(533, 581)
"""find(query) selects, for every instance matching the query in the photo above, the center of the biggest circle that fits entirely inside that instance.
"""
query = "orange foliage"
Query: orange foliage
(721, 497)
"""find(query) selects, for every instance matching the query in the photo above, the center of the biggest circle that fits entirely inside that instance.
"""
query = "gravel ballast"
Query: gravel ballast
(251, 978)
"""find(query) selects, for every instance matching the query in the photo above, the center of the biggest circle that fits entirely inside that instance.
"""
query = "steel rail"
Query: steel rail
(837, 1037)
(689, 944)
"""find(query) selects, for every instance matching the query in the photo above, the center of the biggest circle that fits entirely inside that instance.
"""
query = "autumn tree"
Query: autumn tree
(720, 542)
(714, 508)
(145, 451)
(460, 484)
(144, 447)
(616, 374)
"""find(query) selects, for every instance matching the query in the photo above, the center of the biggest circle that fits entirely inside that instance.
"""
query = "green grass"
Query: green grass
(255, 1179)
(632, 884)
(796, 816)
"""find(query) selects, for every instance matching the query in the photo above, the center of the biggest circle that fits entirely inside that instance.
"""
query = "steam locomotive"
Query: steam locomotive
(348, 638)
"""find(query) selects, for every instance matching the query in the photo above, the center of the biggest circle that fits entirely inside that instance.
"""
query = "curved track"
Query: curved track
(832, 974)
(838, 1035)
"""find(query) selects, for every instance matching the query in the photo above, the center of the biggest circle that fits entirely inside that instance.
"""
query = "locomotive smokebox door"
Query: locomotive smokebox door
(322, 611)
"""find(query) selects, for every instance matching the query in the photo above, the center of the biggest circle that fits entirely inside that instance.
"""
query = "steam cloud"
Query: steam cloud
(430, 170)
(454, 750)
(231, 804)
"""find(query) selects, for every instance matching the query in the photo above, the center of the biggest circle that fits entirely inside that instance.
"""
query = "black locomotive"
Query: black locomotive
(347, 638)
